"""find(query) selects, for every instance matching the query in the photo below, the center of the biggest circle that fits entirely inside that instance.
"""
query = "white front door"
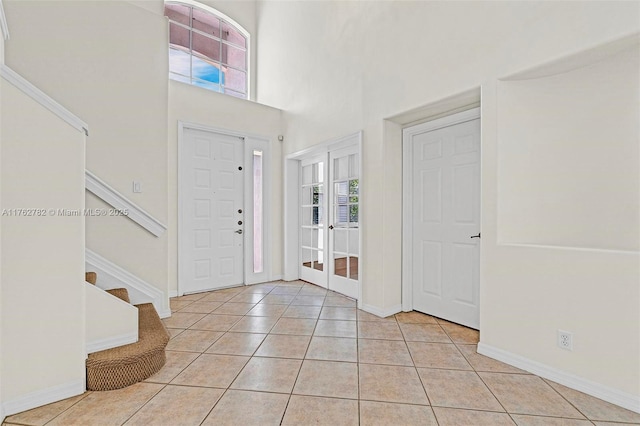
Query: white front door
(445, 219)
(344, 219)
(211, 211)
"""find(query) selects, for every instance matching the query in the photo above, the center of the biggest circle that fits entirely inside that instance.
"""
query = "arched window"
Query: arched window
(207, 48)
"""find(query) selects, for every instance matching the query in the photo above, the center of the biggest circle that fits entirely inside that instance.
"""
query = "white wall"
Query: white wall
(193, 105)
(564, 232)
(42, 266)
(336, 67)
(107, 61)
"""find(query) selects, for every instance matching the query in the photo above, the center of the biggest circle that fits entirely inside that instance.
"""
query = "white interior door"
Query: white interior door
(344, 219)
(211, 211)
(312, 220)
(445, 220)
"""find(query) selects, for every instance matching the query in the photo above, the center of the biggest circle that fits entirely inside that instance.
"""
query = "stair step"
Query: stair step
(125, 365)
(120, 293)
(91, 277)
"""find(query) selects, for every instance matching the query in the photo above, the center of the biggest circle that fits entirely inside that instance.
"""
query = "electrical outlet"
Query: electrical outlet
(565, 340)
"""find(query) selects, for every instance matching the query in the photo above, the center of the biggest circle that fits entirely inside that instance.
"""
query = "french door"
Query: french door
(344, 218)
(312, 224)
(329, 220)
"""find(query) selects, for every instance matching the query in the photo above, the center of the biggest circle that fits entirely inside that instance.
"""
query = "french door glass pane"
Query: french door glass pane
(353, 241)
(312, 208)
(307, 174)
(353, 268)
(306, 237)
(340, 240)
(340, 265)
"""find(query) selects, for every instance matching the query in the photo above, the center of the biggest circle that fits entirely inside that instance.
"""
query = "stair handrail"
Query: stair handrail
(117, 200)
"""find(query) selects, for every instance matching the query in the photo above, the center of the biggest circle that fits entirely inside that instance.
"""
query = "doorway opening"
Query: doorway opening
(322, 213)
(441, 217)
(223, 209)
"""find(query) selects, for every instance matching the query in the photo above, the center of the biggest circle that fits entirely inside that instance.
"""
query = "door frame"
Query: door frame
(292, 202)
(407, 190)
(251, 142)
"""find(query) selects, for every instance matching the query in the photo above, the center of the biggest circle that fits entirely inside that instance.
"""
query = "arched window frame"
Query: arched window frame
(224, 19)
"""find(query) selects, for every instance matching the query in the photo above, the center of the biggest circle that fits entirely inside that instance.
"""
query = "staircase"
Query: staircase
(125, 365)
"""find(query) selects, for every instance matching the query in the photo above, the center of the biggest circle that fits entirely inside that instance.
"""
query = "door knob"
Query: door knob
(239, 231)
(475, 236)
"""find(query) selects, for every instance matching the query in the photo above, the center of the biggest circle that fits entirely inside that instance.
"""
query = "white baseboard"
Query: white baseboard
(277, 278)
(2, 416)
(43, 397)
(111, 342)
(382, 313)
(173, 293)
(111, 276)
(165, 313)
(614, 396)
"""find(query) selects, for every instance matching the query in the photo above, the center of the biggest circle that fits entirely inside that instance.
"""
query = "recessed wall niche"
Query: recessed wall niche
(568, 152)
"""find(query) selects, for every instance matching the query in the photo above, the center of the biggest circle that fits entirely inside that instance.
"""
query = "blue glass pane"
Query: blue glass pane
(205, 71)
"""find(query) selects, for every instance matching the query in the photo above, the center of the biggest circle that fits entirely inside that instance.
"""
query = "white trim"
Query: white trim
(407, 191)
(328, 145)
(5, 34)
(43, 99)
(111, 276)
(276, 278)
(291, 219)
(382, 313)
(115, 199)
(606, 393)
(568, 248)
(44, 396)
(111, 342)
(173, 293)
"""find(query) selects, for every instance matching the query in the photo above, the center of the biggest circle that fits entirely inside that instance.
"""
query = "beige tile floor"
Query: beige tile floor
(295, 354)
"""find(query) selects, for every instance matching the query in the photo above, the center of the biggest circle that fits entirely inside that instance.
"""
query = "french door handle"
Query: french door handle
(239, 231)
(330, 226)
(475, 236)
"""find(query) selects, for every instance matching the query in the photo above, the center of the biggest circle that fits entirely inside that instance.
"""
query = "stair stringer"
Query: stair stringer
(111, 276)
(110, 322)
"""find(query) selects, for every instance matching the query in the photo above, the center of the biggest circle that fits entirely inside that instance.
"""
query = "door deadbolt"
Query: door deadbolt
(239, 210)
(239, 222)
